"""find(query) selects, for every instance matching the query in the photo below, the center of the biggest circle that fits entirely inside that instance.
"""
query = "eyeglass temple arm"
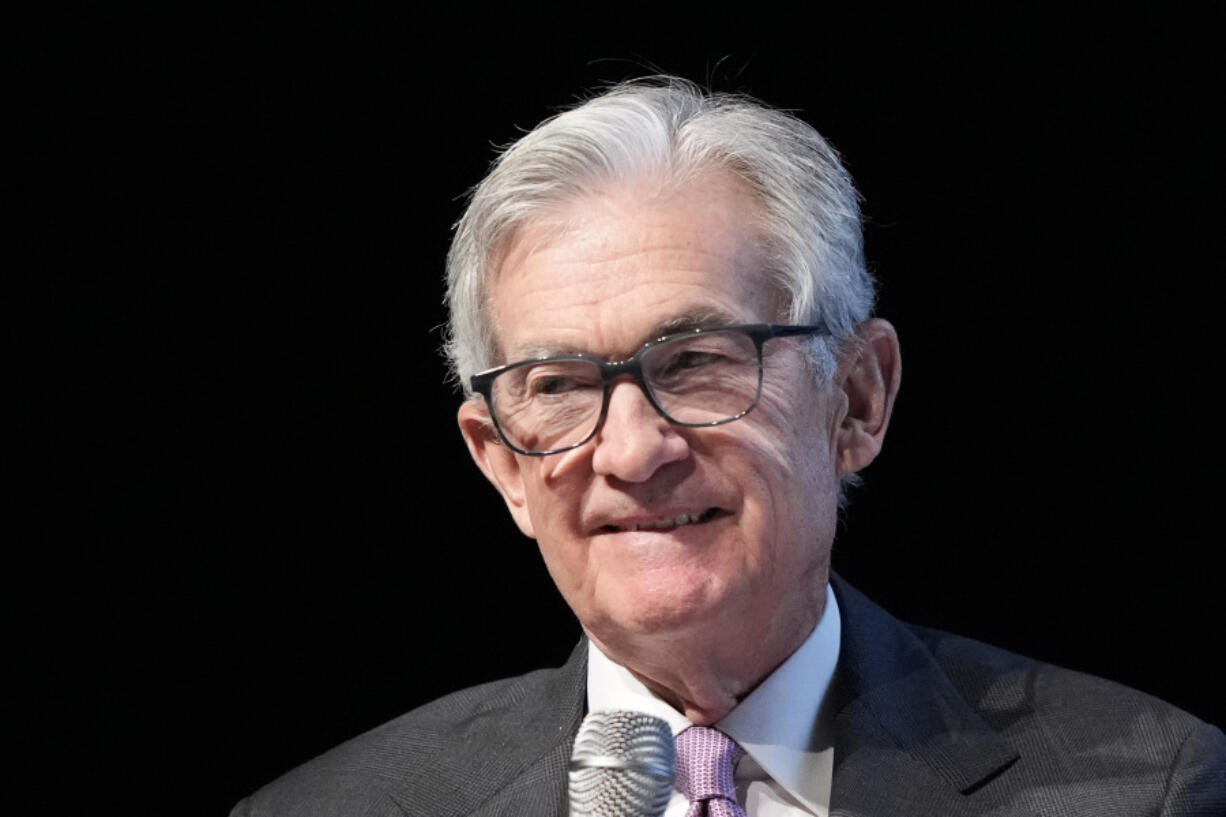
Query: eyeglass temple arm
(783, 330)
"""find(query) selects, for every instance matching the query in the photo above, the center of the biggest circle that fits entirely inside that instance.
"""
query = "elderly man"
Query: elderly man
(660, 316)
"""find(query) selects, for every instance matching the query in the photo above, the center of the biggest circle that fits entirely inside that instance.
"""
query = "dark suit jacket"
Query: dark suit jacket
(927, 724)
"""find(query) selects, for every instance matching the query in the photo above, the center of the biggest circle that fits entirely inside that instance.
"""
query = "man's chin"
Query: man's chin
(656, 620)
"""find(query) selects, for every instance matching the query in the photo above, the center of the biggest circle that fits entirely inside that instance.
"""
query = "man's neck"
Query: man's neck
(705, 679)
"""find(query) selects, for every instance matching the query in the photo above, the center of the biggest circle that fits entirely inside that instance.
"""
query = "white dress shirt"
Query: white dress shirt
(788, 762)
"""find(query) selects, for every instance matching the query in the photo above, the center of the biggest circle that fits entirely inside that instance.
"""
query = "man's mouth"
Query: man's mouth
(665, 523)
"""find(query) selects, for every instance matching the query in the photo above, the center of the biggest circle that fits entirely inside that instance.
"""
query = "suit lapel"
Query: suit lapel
(546, 732)
(906, 741)
(907, 744)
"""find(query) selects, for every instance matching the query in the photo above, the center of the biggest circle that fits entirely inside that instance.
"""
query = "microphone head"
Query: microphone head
(623, 766)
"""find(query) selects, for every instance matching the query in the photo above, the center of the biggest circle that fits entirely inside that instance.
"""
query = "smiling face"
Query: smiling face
(656, 533)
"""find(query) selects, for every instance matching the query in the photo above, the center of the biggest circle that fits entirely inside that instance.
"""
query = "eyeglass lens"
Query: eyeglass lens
(695, 380)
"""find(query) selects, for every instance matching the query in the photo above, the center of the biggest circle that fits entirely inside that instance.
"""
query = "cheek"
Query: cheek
(789, 439)
(552, 495)
(552, 488)
(792, 494)
(756, 461)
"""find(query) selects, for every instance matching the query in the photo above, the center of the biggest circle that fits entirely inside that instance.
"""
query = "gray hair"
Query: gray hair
(671, 128)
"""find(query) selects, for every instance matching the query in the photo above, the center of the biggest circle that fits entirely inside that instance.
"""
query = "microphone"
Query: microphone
(622, 766)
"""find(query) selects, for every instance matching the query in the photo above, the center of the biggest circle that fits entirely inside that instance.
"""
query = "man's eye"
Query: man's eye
(693, 359)
(553, 385)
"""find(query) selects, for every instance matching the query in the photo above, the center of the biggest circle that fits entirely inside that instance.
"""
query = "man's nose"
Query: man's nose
(635, 440)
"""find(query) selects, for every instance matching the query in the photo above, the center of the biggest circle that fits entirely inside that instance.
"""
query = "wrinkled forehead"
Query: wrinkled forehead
(662, 256)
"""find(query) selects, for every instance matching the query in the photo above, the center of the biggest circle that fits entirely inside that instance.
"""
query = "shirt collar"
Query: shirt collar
(779, 724)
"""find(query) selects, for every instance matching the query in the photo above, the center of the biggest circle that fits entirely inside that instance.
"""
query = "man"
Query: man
(660, 316)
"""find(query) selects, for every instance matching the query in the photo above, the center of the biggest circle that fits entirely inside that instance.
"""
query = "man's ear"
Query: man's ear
(869, 374)
(500, 464)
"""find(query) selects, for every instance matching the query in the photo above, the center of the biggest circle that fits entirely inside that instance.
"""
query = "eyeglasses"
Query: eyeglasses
(702, 377)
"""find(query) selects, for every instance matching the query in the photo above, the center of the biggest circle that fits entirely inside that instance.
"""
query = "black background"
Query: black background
(246, 525)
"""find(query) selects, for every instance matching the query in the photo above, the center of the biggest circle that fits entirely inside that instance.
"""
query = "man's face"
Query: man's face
(610, 273)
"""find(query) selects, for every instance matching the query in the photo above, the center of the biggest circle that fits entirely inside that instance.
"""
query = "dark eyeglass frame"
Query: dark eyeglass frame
(483, 382)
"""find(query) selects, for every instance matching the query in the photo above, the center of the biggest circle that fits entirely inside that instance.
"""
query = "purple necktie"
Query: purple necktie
(705, 759)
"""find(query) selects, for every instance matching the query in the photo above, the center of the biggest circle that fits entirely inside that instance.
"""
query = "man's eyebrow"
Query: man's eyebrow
(696, 319)
(538, 352)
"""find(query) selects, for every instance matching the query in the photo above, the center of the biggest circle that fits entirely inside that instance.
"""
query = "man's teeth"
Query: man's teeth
(675, 522)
